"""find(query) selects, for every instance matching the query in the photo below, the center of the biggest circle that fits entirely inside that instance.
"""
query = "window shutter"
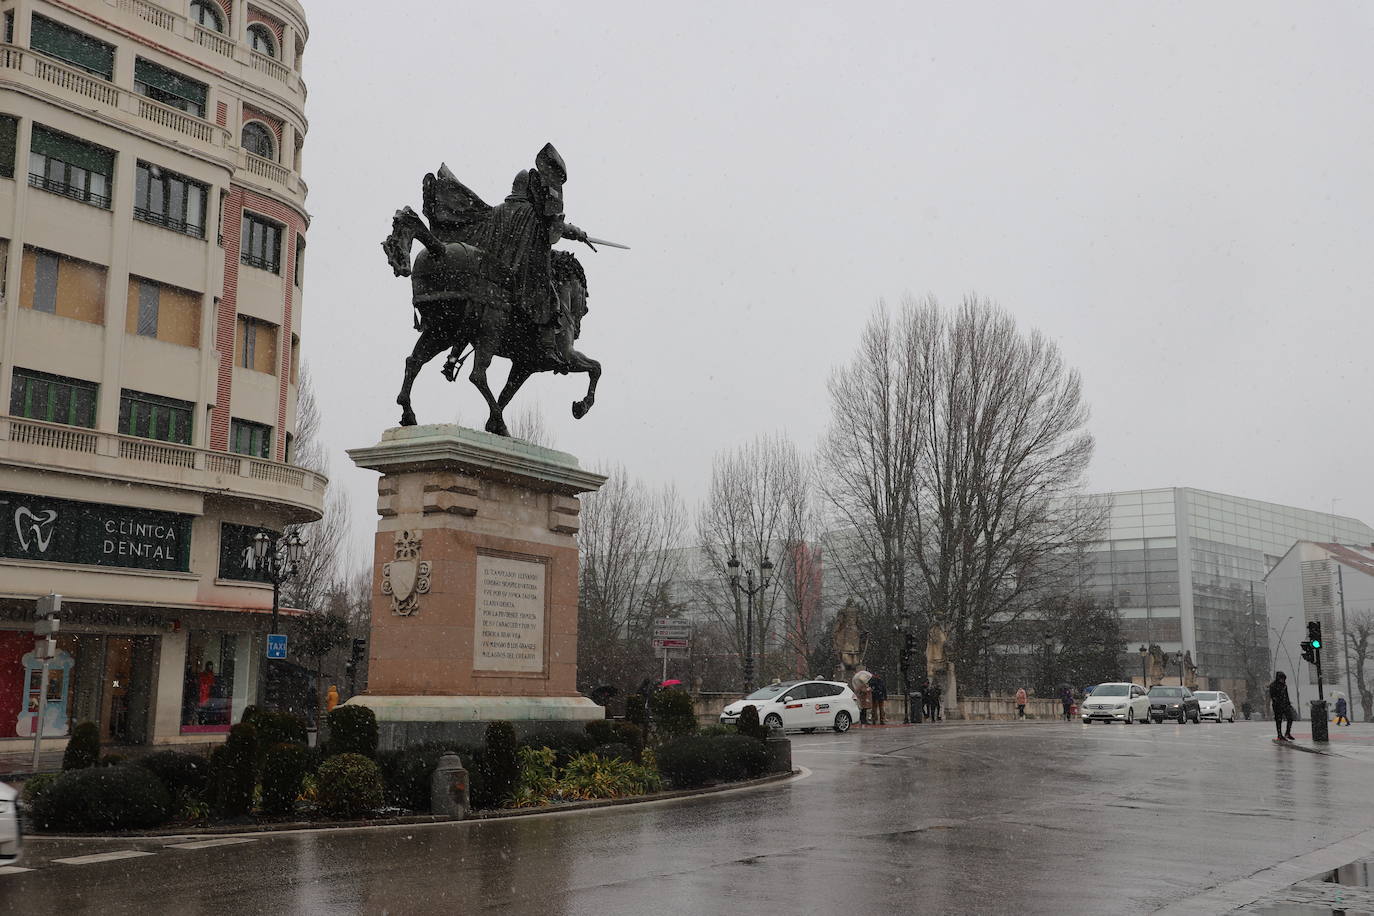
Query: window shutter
(169, 82)
(72, 46)
(72, 151)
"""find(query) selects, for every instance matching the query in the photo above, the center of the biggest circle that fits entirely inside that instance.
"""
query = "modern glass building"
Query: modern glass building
(1185, 568)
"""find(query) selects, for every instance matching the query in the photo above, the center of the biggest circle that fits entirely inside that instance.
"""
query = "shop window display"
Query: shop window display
(208, 686)
(19, 679)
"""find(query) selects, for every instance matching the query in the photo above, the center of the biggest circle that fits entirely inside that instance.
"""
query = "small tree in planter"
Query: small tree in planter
(83, 749)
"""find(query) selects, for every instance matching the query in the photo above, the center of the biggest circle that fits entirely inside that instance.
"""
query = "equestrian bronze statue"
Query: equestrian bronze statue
(488, 282)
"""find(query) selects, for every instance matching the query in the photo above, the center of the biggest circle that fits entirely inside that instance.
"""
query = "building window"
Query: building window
(62, 286)
(261, 39)
(54, 398)
(206, 14)
(261, 243)
(163, 312)
(9, 139)
(207, 693)
(152, 416)
(259, 140)
(72, 47)
(167, 199)
(257, 345)
(71, 167)
(169, 87)
(253, 439)
(300, 259)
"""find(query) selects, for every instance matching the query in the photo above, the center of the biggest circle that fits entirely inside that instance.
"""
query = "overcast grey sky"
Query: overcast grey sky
(1179, 194)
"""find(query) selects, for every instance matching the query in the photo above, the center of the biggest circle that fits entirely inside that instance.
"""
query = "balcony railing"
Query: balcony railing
(150, 12)
(269, 65)
(199, 468)
(208, 38)
(69, 190)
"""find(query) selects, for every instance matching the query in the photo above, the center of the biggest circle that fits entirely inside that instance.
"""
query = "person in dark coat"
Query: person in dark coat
(879, 688)
(1066, 700)
(936, 714)
(1283, 707)
(1342, 708)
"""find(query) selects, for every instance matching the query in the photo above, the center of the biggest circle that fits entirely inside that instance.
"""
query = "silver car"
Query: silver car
(11, 838)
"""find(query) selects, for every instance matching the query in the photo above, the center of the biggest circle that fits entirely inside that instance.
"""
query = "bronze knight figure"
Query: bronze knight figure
(489, 282)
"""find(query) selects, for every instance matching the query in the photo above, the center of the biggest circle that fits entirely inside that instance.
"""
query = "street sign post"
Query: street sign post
(276, 645)
(45, 627)
(672, 638)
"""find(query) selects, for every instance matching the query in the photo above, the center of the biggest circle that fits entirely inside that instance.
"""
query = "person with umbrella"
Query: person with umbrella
(864, 694)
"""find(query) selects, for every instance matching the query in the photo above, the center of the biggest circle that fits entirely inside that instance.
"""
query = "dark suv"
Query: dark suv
(1173, 703)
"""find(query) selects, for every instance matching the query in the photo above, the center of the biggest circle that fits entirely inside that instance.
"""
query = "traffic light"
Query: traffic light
(1309, 655)
(1314, 633)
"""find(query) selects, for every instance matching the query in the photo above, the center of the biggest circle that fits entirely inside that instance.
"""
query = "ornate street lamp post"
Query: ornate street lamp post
(765, 579)
(277, 559)
(1144, 672)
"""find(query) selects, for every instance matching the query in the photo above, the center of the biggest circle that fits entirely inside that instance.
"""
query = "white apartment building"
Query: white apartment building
(152, 232)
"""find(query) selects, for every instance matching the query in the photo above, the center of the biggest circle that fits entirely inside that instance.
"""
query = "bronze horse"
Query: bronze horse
(457, 308)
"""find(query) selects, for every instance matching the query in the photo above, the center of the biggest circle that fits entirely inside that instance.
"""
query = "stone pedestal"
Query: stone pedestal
(474, 600)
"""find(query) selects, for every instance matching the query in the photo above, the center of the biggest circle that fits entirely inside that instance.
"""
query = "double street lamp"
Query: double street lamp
(765, 579)
(277, 559)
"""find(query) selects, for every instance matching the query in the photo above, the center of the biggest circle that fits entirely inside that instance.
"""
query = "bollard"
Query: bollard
(1319, 732)
(448, 787)
(779, 752)
(915, 707)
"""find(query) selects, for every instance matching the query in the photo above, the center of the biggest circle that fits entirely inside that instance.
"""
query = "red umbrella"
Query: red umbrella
(672, 682)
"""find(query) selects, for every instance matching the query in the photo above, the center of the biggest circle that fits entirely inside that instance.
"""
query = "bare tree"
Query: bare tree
(629, 559)
(1002, 456)
(752, 513)
(1360, 637)
(868, 469)
(529, 424)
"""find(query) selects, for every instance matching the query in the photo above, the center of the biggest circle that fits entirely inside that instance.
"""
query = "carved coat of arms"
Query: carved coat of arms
(406, 578)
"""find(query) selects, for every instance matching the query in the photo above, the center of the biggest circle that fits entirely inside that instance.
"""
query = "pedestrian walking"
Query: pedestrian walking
(1246, 709)
(865, 692)
(1283, 707)
(331, 698)
(1066, 700)
(925, 700)
(1020, 702)
(878, 689)
(936, 713)
(1342, 707)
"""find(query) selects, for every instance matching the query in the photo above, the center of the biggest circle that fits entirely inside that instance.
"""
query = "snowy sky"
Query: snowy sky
(1177, 193)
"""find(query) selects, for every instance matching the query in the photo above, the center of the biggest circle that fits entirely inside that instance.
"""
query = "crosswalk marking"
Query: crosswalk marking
(103, 857)
(206, 844)
(13, 870)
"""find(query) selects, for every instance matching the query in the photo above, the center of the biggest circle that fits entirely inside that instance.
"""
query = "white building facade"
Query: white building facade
(152, 235)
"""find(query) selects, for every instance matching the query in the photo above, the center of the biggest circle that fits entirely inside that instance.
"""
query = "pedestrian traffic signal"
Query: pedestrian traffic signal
(1314, 633)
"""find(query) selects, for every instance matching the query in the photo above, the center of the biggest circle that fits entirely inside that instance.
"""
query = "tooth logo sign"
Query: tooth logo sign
(38, 525)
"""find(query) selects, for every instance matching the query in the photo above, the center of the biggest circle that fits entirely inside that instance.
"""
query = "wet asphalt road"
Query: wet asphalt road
(951, 818)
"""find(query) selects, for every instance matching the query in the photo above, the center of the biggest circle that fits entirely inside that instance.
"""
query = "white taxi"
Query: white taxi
(1215, 704)
(807, 705)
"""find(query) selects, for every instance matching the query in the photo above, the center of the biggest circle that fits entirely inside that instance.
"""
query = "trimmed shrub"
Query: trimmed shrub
(274, 728)
(349, 785)
(601, 731)
(112, 760)
(283, 771)
(615, 751)
(674, 713)
(83, 749)
(233, 771)
(103, 798)
(565, 744)
(500, 764)
(749, 725)
(607, 731)
(352, 730)
(697, 760)
(35, 786)
(407, 773)
(716, 729)
(179, 772)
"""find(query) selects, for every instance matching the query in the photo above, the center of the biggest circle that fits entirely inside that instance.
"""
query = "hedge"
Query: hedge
(696, 760)
(352, 730)
(124, 797)
(349, 785)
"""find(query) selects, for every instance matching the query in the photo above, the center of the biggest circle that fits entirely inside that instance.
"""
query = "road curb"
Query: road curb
(420, 819)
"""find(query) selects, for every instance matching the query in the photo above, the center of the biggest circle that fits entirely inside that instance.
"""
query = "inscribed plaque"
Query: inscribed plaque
(510, 615)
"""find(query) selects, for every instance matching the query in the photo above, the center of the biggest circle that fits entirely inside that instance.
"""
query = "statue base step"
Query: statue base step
(406, 720)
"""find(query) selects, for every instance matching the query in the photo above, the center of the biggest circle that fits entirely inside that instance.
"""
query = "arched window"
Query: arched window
(206, 13)
(261, 39)
(258, 140)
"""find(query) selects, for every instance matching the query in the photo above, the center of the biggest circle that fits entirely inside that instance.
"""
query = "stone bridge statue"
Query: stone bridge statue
(849, 642)
(489, 279)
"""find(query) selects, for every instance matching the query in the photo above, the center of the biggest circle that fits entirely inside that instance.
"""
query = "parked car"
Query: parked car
(807, 705)
(11, 837)
(1173, 703)
(1215, 704)
(1115, 702)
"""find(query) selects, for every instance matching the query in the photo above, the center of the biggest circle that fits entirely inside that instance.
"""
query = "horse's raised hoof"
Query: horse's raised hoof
(580, 409)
